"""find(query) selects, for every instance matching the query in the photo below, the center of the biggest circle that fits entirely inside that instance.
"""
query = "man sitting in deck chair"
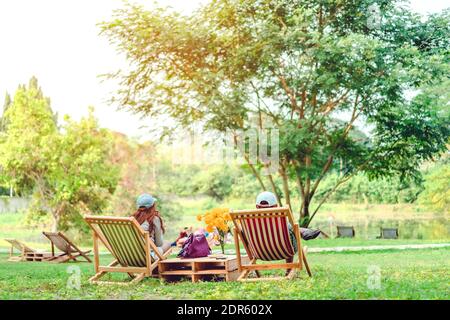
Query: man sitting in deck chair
(265, 235)
(268, 200)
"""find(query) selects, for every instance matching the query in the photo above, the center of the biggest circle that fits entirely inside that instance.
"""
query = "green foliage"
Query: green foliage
(136, 162)
(68, 172)
(360, 189)
(215, 182)
(245, 186)
(6, 105)
(436, 195)
(82, 178)
(30, 133)
(170, 210)
(298, 66)
(177, 179)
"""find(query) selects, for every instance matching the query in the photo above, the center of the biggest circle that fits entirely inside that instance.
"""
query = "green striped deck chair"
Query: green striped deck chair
(128, 243)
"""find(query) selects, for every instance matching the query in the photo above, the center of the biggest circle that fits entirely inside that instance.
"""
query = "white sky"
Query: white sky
(57, 41)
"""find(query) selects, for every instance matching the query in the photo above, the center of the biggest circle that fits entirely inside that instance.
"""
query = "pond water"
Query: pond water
(426, 229)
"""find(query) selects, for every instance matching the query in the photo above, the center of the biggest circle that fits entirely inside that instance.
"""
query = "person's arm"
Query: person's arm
(145, 226)
(159, 239)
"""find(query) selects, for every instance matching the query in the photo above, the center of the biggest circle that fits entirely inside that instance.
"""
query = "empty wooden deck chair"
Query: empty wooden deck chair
(69, 251)
(345, 232)
(130, 246)
(26, 253)
(265, 236)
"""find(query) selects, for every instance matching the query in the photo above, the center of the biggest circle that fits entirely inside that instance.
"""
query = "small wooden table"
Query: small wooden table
(200, 268)
(36, 256)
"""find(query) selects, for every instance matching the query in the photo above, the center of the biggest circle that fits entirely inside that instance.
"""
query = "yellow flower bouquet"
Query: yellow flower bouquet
(217, 219)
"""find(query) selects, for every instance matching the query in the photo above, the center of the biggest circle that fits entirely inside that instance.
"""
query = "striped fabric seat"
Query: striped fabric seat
(59, 242)
(24, 250)
(69, 251)
(127, 245)
(267, 238)
(131, 246)
(22, 247)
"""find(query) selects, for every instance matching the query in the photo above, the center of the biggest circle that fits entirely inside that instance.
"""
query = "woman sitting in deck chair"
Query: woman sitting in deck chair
(150, 220)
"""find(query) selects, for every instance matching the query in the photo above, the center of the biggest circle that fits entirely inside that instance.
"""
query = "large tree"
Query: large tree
(67, 171)
(314, 69)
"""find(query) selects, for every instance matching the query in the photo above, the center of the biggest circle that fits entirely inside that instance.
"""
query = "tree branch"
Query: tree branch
(329, 193)
(252, 167)
(285, 184)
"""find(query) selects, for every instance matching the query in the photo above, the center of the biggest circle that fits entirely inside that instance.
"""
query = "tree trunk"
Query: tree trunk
(304, 213)
(55, 223)
(286, 190)
(255, 173)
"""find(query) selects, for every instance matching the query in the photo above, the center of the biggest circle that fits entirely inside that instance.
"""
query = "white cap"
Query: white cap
(268, 197)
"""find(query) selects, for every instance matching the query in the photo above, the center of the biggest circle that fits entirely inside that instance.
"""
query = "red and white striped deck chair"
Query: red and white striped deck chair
(265, 236)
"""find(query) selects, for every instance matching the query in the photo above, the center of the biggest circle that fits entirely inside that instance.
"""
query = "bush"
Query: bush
(436, 195)
(215, 182)
(362, 190)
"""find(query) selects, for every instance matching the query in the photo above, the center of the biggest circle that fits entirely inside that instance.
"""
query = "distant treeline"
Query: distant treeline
(221, 182)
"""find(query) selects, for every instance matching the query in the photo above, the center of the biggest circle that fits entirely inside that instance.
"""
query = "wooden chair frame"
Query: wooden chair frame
(71, 254)
(24, 249)
(239, 236)
(136, 273)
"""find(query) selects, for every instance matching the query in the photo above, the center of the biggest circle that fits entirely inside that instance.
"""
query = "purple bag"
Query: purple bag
(196, 246)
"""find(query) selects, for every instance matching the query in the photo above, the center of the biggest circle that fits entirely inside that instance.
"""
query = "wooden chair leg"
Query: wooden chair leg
(138, 278)
(84, 255)
(246, 273)
(306, 264)
(98, 275)
(238, 249)
(291, 274)
(243, 275)
(62, 258)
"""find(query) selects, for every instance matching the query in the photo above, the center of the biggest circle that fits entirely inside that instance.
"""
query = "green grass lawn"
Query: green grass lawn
(410, 274)
(405, 274)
